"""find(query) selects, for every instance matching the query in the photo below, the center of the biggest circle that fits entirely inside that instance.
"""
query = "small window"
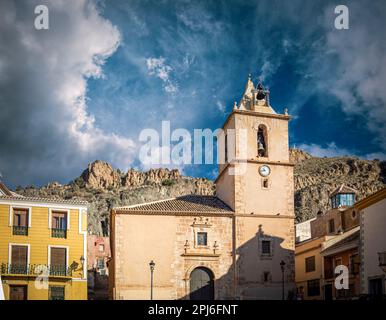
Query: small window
(202, 238)
(310, 264)
(338, 262)
(100, 263)
(313, 288)
(266, 276)
(20, 222)
(59, 220)
(265, 183)
(59, 224)
(56, 293)
(331, 226)
(101, 248)
(20, 217)
(266, 247)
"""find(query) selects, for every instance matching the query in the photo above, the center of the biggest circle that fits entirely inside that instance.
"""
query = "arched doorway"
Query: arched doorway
(201, 284)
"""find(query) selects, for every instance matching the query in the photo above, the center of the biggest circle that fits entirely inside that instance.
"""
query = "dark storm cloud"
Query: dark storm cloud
(46, 132)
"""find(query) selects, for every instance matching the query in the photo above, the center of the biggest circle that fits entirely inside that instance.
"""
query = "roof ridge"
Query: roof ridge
(41, 199)
(143, 204)
(184, 203)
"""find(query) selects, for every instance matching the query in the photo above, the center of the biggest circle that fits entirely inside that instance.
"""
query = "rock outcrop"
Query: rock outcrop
(314, 178)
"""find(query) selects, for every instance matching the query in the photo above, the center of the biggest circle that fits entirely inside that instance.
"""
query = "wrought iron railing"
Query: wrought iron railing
(35, 270)
(58, 233)
(20, 230)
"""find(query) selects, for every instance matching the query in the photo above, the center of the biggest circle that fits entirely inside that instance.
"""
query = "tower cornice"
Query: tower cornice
(256, 114)
(256, 161)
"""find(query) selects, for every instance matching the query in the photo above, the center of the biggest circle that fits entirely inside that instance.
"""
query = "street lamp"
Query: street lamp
(282, 265)
(152, 265)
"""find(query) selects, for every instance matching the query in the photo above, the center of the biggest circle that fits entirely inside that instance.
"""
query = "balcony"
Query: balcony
(58, 233)
(34, 270)
(20, 230)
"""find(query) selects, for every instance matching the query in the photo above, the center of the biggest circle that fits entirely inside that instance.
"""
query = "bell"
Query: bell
(260, 148)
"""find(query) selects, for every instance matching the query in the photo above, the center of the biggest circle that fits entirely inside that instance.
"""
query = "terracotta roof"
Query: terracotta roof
(43, 200)
(371, 199)
(351, 236)
(343, 189)
(4, 190)
(6, 194)
(189, 203)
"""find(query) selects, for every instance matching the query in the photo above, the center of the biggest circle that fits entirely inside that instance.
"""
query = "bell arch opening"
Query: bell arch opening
(262, 141)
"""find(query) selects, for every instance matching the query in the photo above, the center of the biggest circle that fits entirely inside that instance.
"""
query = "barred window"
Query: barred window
(310, 264)
(56, 293)
(266, 247)
(313, 288)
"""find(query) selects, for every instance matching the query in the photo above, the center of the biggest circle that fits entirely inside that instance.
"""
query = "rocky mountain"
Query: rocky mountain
(315, 178)
(105, 187)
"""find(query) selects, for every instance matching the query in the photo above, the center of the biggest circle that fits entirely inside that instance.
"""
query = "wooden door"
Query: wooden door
(201, 284)
(17, 292)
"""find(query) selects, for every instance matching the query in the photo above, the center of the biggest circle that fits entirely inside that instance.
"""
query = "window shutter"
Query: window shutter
(19, 255)
(58, 257)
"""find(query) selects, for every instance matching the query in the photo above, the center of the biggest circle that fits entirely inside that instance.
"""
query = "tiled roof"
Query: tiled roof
(4, 190)
(44, 200)
(351, 236)
(6, 194)
(186, 204)
(343, 189)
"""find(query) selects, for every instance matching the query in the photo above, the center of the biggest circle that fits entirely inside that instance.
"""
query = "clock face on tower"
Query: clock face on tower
(264, 170)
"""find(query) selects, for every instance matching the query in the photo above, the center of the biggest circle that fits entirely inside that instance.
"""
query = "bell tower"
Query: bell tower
(256, 180)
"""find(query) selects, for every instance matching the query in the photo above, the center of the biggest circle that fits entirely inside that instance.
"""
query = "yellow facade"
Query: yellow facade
(39, 241)
(304, 278)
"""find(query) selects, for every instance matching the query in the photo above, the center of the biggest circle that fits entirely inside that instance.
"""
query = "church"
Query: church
(238, 244)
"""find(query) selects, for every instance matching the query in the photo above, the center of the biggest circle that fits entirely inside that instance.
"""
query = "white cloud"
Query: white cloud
(332, 150)
(354, 70)
(220, 105)
(51, 68)
(157, 67)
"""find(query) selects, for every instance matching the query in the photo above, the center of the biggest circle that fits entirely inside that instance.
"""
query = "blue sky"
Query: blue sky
(108, 69)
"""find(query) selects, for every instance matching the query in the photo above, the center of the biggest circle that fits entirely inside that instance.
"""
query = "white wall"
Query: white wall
(373, 240)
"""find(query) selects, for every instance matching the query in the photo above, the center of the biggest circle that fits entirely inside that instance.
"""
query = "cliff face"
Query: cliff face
(316, 178)
(105, 187)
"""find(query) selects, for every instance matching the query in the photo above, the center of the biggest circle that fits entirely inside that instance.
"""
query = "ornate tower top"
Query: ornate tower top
(255, 98)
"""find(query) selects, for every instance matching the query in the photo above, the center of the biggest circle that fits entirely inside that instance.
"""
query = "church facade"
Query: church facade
(238, 244)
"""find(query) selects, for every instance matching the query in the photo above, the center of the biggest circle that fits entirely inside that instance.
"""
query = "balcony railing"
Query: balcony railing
(58, 233)
(20, 230)
(35, 270)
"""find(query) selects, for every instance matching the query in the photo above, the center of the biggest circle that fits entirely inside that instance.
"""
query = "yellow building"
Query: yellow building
(309, 269)
(43, 247)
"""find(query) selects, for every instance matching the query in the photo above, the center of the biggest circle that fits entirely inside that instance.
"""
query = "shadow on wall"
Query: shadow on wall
(257, 272)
